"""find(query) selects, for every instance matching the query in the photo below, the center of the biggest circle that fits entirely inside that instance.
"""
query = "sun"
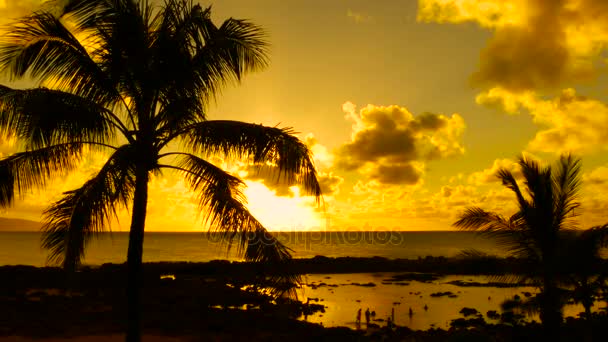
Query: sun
(278, 213)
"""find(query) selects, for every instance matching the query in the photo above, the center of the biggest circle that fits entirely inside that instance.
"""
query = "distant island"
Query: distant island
(18, 225)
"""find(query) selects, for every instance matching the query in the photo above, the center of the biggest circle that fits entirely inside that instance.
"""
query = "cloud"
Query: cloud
(330, 183)
(442, 207)
(384, 204)
(594, 197)
(488, 13)
(489, 175)
(358, 17)
(598, 176)
(569, 122)
(397, 174)
(536, 43)
(451, 200)
(322, 157)
(391, 146)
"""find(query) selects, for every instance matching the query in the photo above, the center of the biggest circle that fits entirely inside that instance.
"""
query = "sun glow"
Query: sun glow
(282, 213)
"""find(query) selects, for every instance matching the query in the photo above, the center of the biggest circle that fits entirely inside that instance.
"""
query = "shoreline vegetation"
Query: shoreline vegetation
(207, 300)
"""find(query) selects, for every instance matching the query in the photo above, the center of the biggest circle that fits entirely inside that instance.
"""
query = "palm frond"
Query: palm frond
(540, 217)
(183, 95)
(178, 110)
(43, 117)
(90, 14)
(71, 222)
(40, 46)
(244, 46)
(264, 248)
(479, 220)
(508, 233)
(199, 58)
(539, 187)
(259, 145)
(220, 195)
(23, 171)
(566, 184)
(224, 54)
(119, 33)
(509, 181)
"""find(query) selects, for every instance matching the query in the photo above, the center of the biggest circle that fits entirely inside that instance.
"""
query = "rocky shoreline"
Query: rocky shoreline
(217, 300)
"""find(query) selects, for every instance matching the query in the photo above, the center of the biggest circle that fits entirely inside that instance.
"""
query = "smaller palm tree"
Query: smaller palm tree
(532, 234)
(583, 266)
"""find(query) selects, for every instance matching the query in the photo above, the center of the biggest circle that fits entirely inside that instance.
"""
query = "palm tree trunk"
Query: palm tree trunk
(587, 305)
(550, 311)
(588, 334)
(134, 255)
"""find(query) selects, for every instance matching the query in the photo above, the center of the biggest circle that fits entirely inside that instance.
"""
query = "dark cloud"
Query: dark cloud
(537, 44)
(390, 145)
(330, 183)
(429, 121)
(397, 145)
(533, 55)
(397, 174)
(521, 58)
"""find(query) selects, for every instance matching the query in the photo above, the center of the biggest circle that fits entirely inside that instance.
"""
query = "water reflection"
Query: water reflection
(405, 303)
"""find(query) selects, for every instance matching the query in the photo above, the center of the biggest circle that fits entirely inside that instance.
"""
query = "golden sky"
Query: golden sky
(410, 107)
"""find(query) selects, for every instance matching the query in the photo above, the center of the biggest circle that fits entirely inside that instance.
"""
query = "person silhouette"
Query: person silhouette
(411, 312)
(358, 321)
(367, 315)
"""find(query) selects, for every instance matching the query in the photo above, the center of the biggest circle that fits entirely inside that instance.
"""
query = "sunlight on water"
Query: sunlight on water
(343, 301)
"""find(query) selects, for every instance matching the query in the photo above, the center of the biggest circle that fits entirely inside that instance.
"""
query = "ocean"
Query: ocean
(23, 248)
(341, 297)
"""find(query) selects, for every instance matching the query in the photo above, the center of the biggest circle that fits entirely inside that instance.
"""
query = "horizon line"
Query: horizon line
(271, 231)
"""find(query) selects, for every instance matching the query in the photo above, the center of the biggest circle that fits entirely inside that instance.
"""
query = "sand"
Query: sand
(102, 338)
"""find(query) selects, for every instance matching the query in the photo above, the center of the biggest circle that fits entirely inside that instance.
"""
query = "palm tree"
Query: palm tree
(582, 271)
(134, 80)
(583, 266)
(532, 234)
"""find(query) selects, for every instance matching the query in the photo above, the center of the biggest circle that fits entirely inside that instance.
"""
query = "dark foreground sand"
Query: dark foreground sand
(101, 338)
(207, 302)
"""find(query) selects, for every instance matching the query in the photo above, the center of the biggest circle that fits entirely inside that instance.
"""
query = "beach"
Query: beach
(206, 301)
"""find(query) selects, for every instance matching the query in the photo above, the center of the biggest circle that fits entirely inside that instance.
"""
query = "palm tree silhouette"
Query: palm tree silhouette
(134, 80)
(582, 265)
(533, 233)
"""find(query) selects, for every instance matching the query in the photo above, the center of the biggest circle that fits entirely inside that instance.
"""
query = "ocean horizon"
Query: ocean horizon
(24, 248)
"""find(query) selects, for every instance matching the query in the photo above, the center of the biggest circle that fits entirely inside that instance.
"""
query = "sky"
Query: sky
(410, 108)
